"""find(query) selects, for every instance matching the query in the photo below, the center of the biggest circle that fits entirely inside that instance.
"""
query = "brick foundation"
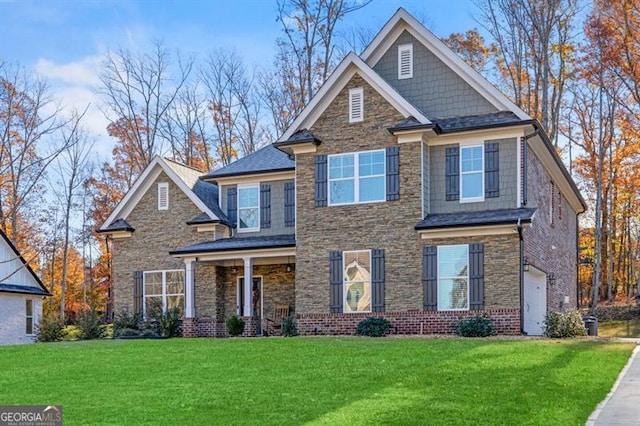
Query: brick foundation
(507, 322)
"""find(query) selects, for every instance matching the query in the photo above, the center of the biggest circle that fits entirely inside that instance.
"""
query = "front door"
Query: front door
(256, 294)
(535, 301)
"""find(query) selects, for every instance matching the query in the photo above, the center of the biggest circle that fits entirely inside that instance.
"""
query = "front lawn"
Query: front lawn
(314, 380)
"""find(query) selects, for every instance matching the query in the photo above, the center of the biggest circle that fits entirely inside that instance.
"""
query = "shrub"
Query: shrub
(289, 327)
(90, 325)
(561, 325)
(614, 312)
(127, 332)
(72, 332)
(373, 327)
(126, 319)
(235, 326)
(148, 333)
(169, 323)
(479, 326)
(50, 328)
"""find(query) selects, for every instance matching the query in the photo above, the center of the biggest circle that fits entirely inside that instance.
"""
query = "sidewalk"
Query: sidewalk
(622, 404)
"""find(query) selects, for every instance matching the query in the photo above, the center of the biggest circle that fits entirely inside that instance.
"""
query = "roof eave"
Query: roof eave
(439, 130)
(180, 252)
(459, 225)
(213, 177)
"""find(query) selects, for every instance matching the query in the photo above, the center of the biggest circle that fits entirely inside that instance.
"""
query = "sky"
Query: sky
(64, 40)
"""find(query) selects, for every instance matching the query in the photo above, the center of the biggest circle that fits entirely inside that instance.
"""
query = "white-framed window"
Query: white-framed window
(163, 196)
(357, 177)
(471, 173)
(29, 316)
(249, 208)
(163, 291)
(356, 105)
(405, 61)
(453, 278)
(357, 280)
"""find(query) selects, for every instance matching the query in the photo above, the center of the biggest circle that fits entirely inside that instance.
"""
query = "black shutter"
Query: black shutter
(393, 173)
(491, 170)
(335, 281)
(476, 277)
(430, 277)
(265, 205)
(137, 293)
(377, 280)
(232, 205)
(452, 173)
(289, 204)
(321, 180)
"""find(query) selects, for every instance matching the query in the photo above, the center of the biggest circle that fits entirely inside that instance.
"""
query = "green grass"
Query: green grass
(619, 328)
(315, 380)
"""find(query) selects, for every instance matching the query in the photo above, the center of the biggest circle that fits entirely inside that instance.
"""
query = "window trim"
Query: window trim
(344, 282)
(438, 278)
(239, 187)
(352, 92)
(165, 186)
(464, 199)
(403, 48)
(164, 289)
(356, 177)
(28, 317)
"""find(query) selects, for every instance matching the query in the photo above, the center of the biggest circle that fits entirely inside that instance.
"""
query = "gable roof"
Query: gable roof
(265, 160)
(10, 287)
(203, 194)
(403, 21)
(349, 66)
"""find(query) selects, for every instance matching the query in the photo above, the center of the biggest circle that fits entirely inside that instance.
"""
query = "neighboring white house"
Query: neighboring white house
(21, 294)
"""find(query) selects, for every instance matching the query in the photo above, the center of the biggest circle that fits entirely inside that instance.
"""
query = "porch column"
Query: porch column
(248, 286)
(188, 289)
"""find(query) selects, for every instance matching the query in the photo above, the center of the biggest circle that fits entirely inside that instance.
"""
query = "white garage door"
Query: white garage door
(535, 301)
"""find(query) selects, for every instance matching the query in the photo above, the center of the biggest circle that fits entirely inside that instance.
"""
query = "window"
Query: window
(163, 291)
(472, 173)
(357, 177)
(405, 61)
(29, 315)
(163, 196)
(357, 281)
(356, 105)
(453, 278)
(249, 208)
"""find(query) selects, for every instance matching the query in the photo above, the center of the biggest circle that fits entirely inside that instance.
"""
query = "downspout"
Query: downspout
(521, 277)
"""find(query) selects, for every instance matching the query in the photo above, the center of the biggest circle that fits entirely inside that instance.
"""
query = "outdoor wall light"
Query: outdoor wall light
(525, 264)
(552, 278)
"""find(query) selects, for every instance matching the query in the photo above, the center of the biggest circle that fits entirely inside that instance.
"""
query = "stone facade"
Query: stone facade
(156, 233)
(551, 247)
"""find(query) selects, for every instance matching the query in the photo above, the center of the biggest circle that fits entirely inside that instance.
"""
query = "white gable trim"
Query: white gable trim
(402, 21)
(349, 66)
(143, 184)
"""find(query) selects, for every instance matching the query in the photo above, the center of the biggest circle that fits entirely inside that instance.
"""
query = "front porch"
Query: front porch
(219, 276)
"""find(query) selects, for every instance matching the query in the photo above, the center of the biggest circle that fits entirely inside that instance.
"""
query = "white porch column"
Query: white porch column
(189, 311)
(248, 286)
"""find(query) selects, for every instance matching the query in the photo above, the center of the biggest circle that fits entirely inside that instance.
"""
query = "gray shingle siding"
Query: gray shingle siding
(277, 210)
(508, 181)
(434, 89)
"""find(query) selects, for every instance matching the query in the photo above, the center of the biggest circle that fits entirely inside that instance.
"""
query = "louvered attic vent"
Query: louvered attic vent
(356, 105)
(405, 61)
(163, 196)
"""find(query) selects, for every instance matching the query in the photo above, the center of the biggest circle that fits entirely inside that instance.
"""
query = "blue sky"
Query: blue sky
(63, 40)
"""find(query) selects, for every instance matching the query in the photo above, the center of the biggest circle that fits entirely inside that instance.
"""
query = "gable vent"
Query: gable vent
(405, 61)
(356, 107)
(163, 196)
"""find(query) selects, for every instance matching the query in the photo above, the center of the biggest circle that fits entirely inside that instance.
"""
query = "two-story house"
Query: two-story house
(409, 188)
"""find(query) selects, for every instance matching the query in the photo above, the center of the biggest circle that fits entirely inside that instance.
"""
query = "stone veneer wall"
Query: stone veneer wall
(156, 233)
(551, 247)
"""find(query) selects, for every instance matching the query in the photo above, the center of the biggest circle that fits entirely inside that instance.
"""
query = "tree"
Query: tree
(471, 47)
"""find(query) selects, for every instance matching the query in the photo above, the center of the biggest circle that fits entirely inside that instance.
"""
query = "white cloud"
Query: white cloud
(83, 72)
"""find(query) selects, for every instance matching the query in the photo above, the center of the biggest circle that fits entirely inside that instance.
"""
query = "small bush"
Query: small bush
(72, 332)
(479, 326)
(126, 319)
(127, 332)
(50, 329)
(562, 325)
(148, 333)
(90, 325)
(373, 327)
(289, 327)
(235, 326)
(169, 323)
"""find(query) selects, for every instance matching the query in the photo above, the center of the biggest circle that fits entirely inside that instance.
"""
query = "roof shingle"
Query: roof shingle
(488, 217)
(235, 244)
(264, 160)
